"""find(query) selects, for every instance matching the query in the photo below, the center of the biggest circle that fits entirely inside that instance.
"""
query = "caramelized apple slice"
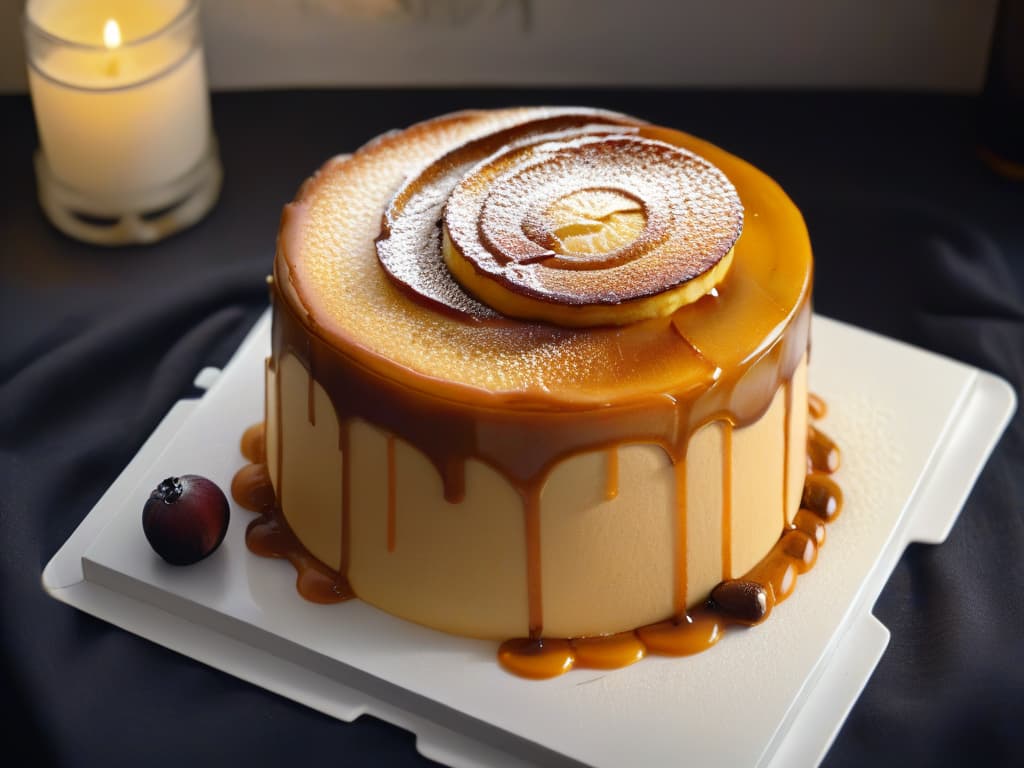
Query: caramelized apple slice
(409, 245)
(591, 229)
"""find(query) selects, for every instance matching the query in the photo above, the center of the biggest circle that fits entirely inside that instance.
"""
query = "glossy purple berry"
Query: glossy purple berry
(185, 519)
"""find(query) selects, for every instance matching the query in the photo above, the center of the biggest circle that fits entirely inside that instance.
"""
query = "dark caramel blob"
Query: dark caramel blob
(741, 600)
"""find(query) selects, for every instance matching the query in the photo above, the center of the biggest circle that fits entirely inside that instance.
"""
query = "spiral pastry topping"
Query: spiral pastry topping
(410, 245)
(577, 220)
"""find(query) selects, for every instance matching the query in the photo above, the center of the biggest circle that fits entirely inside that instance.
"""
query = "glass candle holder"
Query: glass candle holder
(127, 152)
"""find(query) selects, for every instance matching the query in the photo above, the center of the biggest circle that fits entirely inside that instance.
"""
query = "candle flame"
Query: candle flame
(111, 34)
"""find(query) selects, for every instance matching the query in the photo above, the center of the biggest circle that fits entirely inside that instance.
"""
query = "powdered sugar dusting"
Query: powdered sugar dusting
(329, 266)
(409, 247)
(498, 217)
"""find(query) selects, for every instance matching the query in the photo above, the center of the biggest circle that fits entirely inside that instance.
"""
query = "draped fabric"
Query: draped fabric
(913, 237)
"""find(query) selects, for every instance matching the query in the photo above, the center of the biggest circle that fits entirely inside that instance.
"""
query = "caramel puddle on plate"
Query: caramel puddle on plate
(269, 535)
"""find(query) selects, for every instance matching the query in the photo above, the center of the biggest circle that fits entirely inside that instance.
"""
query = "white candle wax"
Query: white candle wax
(114, 120)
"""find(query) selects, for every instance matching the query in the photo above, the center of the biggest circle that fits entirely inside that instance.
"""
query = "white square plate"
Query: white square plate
(914, 428)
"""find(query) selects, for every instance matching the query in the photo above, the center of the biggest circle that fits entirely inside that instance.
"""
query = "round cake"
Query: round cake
(540, 375)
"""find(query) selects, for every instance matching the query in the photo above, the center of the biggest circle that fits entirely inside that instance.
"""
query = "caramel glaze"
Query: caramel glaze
(611, 483)
(746, 601)
(449, 432)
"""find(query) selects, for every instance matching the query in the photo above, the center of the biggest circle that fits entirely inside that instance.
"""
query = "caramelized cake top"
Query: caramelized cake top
(412, 257)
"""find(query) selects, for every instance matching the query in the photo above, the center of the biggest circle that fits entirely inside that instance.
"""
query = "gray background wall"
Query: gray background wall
(902, 44)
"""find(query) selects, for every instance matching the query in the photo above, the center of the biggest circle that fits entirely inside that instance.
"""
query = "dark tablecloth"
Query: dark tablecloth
(913, 236)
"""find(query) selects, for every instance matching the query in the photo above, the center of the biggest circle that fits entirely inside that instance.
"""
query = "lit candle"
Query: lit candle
(112, 41)
(121, 102)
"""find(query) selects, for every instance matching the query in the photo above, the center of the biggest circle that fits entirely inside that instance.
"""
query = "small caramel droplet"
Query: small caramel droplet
(611, 481)
(691, 634)
(816, 406)
(822, 452)
(822, 496)
(777, 573)
(812, 525)
(254, 444)
(536, 658)
(609, 652)
(317, 583)
(800, 547)
(267, 538)
(741, 600)
(251, 488)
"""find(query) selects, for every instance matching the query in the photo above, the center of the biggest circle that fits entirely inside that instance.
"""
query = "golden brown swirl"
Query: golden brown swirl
(591, 230)
(577, 219)
(409, 246)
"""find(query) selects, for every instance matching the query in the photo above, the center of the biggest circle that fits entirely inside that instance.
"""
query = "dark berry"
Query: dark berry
(185, 519)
